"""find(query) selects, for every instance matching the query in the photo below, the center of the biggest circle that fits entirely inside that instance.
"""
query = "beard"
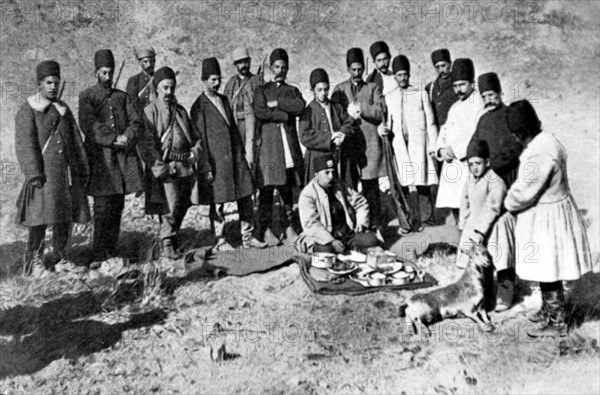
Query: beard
(105, 83)
(244, 71)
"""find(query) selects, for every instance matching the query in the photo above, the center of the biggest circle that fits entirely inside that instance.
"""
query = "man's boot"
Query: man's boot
(415, 211)
(269, 237)
(168, 249)
(290, 232)
(554, 300)
(506, 288)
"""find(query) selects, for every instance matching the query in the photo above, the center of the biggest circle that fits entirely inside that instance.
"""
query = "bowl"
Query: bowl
(377, 279)
(399, 281)
(401, 274)
(322, 260)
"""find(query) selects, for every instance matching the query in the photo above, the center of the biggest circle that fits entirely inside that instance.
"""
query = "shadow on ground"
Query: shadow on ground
(46, 343)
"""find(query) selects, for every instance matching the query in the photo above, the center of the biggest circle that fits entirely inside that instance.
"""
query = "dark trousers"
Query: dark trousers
(35, 239)
(370, 189)
(107, 223)
(353, 241)
(177, 193)
(265, 202)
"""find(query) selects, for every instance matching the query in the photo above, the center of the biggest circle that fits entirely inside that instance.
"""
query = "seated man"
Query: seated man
(334, 217)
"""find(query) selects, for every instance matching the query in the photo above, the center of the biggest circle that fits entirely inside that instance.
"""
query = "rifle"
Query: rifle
(118, 75)
(61, 89)
(261, 71)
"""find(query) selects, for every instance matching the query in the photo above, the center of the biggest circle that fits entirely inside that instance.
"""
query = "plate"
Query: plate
(349, 268)
(390, 268)
(357, 257)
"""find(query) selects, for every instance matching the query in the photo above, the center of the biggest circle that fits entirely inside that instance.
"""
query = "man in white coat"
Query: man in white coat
(456, 134)
(410, 118)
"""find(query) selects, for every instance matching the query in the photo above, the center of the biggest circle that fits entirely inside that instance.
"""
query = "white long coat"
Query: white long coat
(550, 236)
(456, 133)
(413, 142)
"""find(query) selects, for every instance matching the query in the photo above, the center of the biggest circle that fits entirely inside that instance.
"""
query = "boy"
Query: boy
(481, 218)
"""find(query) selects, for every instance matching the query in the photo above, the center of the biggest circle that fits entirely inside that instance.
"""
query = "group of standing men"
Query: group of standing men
(232, 144)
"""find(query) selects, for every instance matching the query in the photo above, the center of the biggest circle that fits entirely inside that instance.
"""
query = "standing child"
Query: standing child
(482, 221)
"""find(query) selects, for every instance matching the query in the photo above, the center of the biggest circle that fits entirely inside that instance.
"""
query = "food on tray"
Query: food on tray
(353, 256)
(341, 267)
(389, 268)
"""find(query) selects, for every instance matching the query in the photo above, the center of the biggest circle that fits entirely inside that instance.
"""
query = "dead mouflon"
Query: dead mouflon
(583, 300)
(466, 297)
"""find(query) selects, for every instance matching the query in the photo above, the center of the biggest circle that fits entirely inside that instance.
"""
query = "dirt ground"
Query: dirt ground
(105, 336)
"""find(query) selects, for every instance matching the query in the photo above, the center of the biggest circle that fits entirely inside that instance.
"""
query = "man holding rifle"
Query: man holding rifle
(112, 128)
(55, 167)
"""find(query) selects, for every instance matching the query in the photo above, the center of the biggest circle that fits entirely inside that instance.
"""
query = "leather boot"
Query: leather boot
(554, 299)
(540, 316)
(506, 288)
(168, 250)
(290, 232)
(415, 211)
(270, 238)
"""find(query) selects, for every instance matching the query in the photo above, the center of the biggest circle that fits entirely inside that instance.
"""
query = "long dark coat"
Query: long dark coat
(134, 85)
(57, 201)
(372, 108)
(225, 152)
(315, 135)
(442, 97)
(270, 158)
(504, 149)
(103, 115)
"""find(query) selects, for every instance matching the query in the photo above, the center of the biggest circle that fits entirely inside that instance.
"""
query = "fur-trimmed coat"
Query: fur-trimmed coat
(63, 166)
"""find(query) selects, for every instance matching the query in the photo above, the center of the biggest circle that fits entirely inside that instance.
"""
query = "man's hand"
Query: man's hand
(208, 177)
(447, 154)
(338, 246)
(121, 141)
(382, 130)
(272, 104)
(476, 237)
(354, 110)
(338, 138)
(37, 182)
(191, 160)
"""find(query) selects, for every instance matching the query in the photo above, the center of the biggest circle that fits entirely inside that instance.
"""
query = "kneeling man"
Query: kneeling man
(334, 217)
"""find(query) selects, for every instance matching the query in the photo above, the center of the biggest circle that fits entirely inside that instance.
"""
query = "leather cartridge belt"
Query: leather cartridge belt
(180, 156)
